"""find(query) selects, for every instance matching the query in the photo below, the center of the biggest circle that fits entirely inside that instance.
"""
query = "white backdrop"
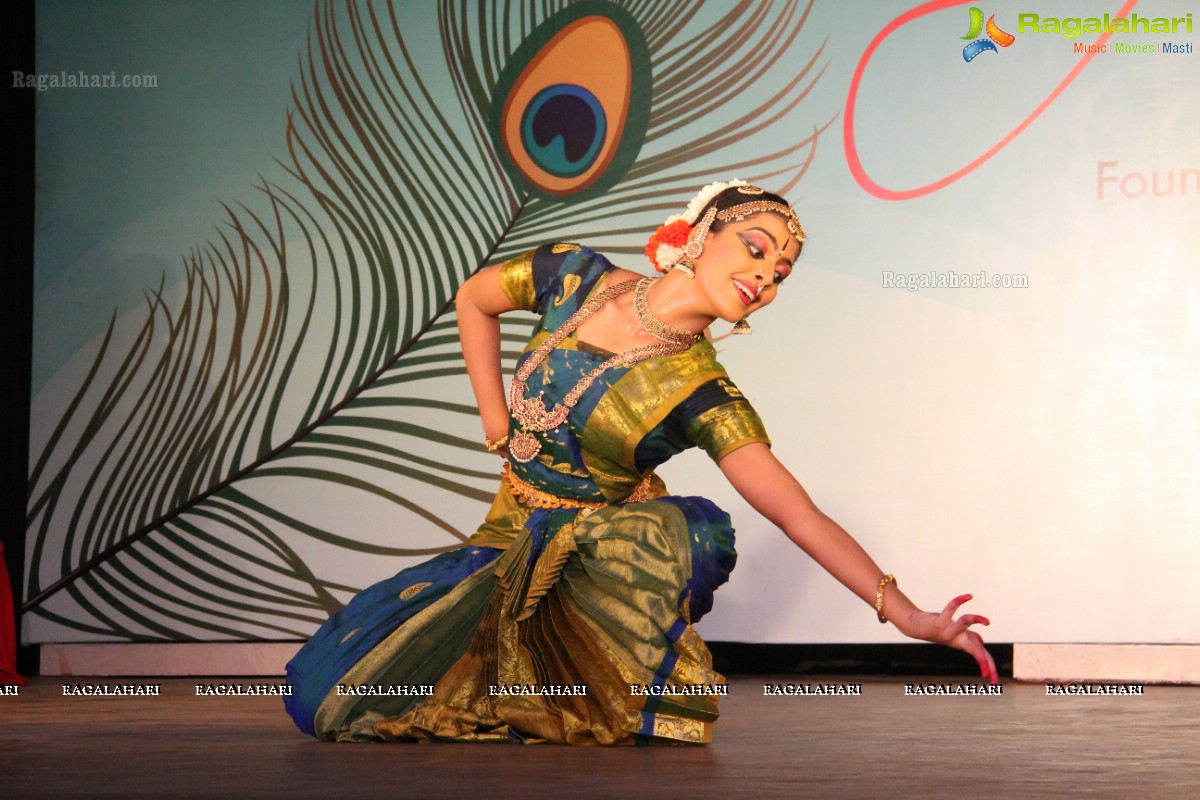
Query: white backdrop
(1036, 446)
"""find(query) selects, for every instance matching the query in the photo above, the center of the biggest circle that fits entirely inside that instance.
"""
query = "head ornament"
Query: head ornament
(681, 236)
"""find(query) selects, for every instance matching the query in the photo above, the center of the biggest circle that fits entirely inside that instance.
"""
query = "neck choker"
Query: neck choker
(652, 324)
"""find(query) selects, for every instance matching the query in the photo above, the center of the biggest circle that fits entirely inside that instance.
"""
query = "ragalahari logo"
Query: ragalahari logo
(994, 37)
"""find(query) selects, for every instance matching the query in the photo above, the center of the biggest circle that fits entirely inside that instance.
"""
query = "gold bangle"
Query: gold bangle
(493, 447)
(884, 581)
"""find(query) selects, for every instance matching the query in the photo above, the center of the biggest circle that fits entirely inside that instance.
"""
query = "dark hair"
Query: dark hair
(734, 196)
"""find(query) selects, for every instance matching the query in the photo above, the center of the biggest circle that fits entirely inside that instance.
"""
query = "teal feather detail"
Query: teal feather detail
(272, 435)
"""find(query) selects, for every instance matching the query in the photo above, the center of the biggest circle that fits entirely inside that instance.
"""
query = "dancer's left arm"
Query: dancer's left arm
(771, 489)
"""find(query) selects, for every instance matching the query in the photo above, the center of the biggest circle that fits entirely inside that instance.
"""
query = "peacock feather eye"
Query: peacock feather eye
(563, 130)
(571, 106)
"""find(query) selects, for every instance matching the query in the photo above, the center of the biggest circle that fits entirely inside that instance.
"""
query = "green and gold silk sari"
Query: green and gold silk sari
(568, 616)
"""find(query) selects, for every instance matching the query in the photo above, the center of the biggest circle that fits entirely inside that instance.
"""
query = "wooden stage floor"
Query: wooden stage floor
(882, 743)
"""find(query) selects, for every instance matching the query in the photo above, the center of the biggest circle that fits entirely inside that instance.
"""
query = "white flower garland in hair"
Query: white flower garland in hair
(666, 245)
(668, 254)
(703, 198)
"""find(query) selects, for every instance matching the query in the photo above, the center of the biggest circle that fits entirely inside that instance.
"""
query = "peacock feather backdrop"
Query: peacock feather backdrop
(294, 421)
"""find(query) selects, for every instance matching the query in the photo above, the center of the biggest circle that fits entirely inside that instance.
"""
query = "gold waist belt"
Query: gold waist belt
(532, 496)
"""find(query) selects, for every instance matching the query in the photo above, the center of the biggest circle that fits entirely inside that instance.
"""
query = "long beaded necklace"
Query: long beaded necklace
(531, 413)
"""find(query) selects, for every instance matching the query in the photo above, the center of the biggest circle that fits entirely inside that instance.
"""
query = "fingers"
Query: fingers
(966, 620)
(987, 665)
(953, 605)
(991, 675)
(957, 633)
(962, 625)
(969, 641)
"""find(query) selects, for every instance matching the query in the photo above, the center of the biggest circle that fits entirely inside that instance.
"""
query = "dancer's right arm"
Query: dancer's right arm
(480, 302)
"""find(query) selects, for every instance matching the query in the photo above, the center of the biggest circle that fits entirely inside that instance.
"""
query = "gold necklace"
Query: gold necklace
(653, 325)
(531, 413)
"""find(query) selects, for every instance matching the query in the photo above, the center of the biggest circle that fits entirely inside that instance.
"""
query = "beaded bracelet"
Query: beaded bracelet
(493, 447)
(884, 581)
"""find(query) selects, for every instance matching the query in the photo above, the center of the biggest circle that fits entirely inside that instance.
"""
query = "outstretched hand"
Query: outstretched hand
(944, 629)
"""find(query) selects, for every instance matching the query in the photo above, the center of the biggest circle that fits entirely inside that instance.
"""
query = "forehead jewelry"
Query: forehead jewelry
(741, 211)
(667, 246)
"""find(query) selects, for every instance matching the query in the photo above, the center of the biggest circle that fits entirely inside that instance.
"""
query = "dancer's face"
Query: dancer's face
(743, 264)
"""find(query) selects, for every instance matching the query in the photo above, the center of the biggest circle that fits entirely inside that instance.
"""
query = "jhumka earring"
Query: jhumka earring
(685, 266)
(742, 328)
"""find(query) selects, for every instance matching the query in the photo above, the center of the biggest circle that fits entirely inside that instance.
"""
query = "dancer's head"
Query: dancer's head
(682, 236)
(738, 241)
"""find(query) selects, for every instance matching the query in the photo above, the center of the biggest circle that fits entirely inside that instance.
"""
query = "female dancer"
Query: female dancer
(568, 616)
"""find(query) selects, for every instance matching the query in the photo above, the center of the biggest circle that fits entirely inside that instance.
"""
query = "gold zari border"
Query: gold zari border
(516, 279)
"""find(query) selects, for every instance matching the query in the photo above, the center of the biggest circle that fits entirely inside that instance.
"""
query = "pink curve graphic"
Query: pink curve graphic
(851, 148)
